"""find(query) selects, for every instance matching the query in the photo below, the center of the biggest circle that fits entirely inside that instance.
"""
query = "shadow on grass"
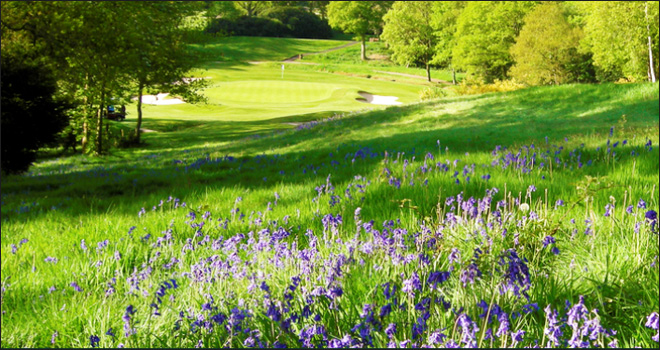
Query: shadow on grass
(509, 119)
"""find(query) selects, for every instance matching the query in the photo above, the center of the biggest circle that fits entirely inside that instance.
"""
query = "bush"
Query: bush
(474, 87)
(31, 116)
(301, 24)
(278, 22)
(248, 26)
(430, 93)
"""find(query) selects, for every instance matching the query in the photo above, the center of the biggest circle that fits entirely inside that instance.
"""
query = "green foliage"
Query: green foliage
(248, 26)
(358, 17)
(485, 32)
(545, 61)
(31, 114)
(445, 14)
(616, 34)
(409, 33)
(301, 23)
(478, 86)
(431, 93)
(100, 50)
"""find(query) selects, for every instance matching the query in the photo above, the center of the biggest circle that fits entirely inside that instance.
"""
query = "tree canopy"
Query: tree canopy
(546, 46)
(359, 18)
(409, 33)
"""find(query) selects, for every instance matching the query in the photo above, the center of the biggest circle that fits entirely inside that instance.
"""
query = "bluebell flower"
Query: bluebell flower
(76, 287)
(390, 330)
(386, 310)
(437, 277)
(94, 340)
(641, 204)
(517, 276)
(411, 284)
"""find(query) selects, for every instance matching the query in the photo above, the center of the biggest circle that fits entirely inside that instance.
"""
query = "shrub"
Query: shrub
(430, 93)
(248, 26)
(474, 87)
(301, 24)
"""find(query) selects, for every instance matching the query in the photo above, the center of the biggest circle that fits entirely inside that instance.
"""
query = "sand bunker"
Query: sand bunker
(160, 99)
(377, 99)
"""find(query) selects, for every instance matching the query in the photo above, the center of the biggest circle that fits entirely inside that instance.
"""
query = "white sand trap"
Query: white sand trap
(377, 99)
(160, 99)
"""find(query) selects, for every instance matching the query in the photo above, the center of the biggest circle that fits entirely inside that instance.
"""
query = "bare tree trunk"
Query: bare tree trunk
(453, 75)
(85, 137)
(428, 71)
(99, 130)
(139, 110)
(648, 30)
(99, 122)
(363, 49)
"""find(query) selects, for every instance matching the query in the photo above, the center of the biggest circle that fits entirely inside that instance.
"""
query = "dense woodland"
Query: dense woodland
(98, 53)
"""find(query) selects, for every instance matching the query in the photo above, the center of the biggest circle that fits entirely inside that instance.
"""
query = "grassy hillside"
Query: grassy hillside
(301, 232)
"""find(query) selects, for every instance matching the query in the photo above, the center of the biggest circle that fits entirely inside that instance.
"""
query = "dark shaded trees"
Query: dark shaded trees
(32, 115)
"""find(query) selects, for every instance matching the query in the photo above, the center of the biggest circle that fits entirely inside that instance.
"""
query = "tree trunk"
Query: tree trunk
(99, 126)
(453, 75)
(363, 49)
(99, 130)
(428, 71)
(85, 137)
(648, 30)
(139, 111)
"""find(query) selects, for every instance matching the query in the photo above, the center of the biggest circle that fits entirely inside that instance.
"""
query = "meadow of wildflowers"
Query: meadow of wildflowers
(419, 226)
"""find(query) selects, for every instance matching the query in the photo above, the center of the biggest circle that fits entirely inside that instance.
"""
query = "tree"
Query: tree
(546, 46)
(485, 32)
(99, 49)
(252, 8)
(445, 14)
(409, 33)
(300, 23)
(158, 58)
(31, 114)
(359, 18)
(623, 37)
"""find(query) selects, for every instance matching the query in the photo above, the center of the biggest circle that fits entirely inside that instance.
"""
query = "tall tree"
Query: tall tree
(99, 49)
(445, 14)
(545, 61)
(158, 57)
(359, 18)
(252, 8)
(618, 33)
(485, 32)
(409, 34)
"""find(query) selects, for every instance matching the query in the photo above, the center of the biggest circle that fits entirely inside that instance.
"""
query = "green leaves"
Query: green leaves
(545, 47)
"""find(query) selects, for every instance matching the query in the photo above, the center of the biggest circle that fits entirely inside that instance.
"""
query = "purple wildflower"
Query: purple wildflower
(411, 285)
(94, 340)
(652, 218)
(390, 330)
(553, 329)
(516, 277)
(76, 287)
(548, 240)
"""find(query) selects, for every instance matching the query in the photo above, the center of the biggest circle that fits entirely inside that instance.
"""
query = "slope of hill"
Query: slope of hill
(455, 221)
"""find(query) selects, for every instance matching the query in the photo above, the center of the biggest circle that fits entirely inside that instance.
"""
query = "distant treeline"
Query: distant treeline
(275, 21)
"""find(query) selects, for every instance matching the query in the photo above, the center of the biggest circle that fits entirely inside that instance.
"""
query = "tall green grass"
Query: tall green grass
(63, 201)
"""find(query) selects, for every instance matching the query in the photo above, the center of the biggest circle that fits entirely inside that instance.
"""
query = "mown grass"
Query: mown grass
(209, 163)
